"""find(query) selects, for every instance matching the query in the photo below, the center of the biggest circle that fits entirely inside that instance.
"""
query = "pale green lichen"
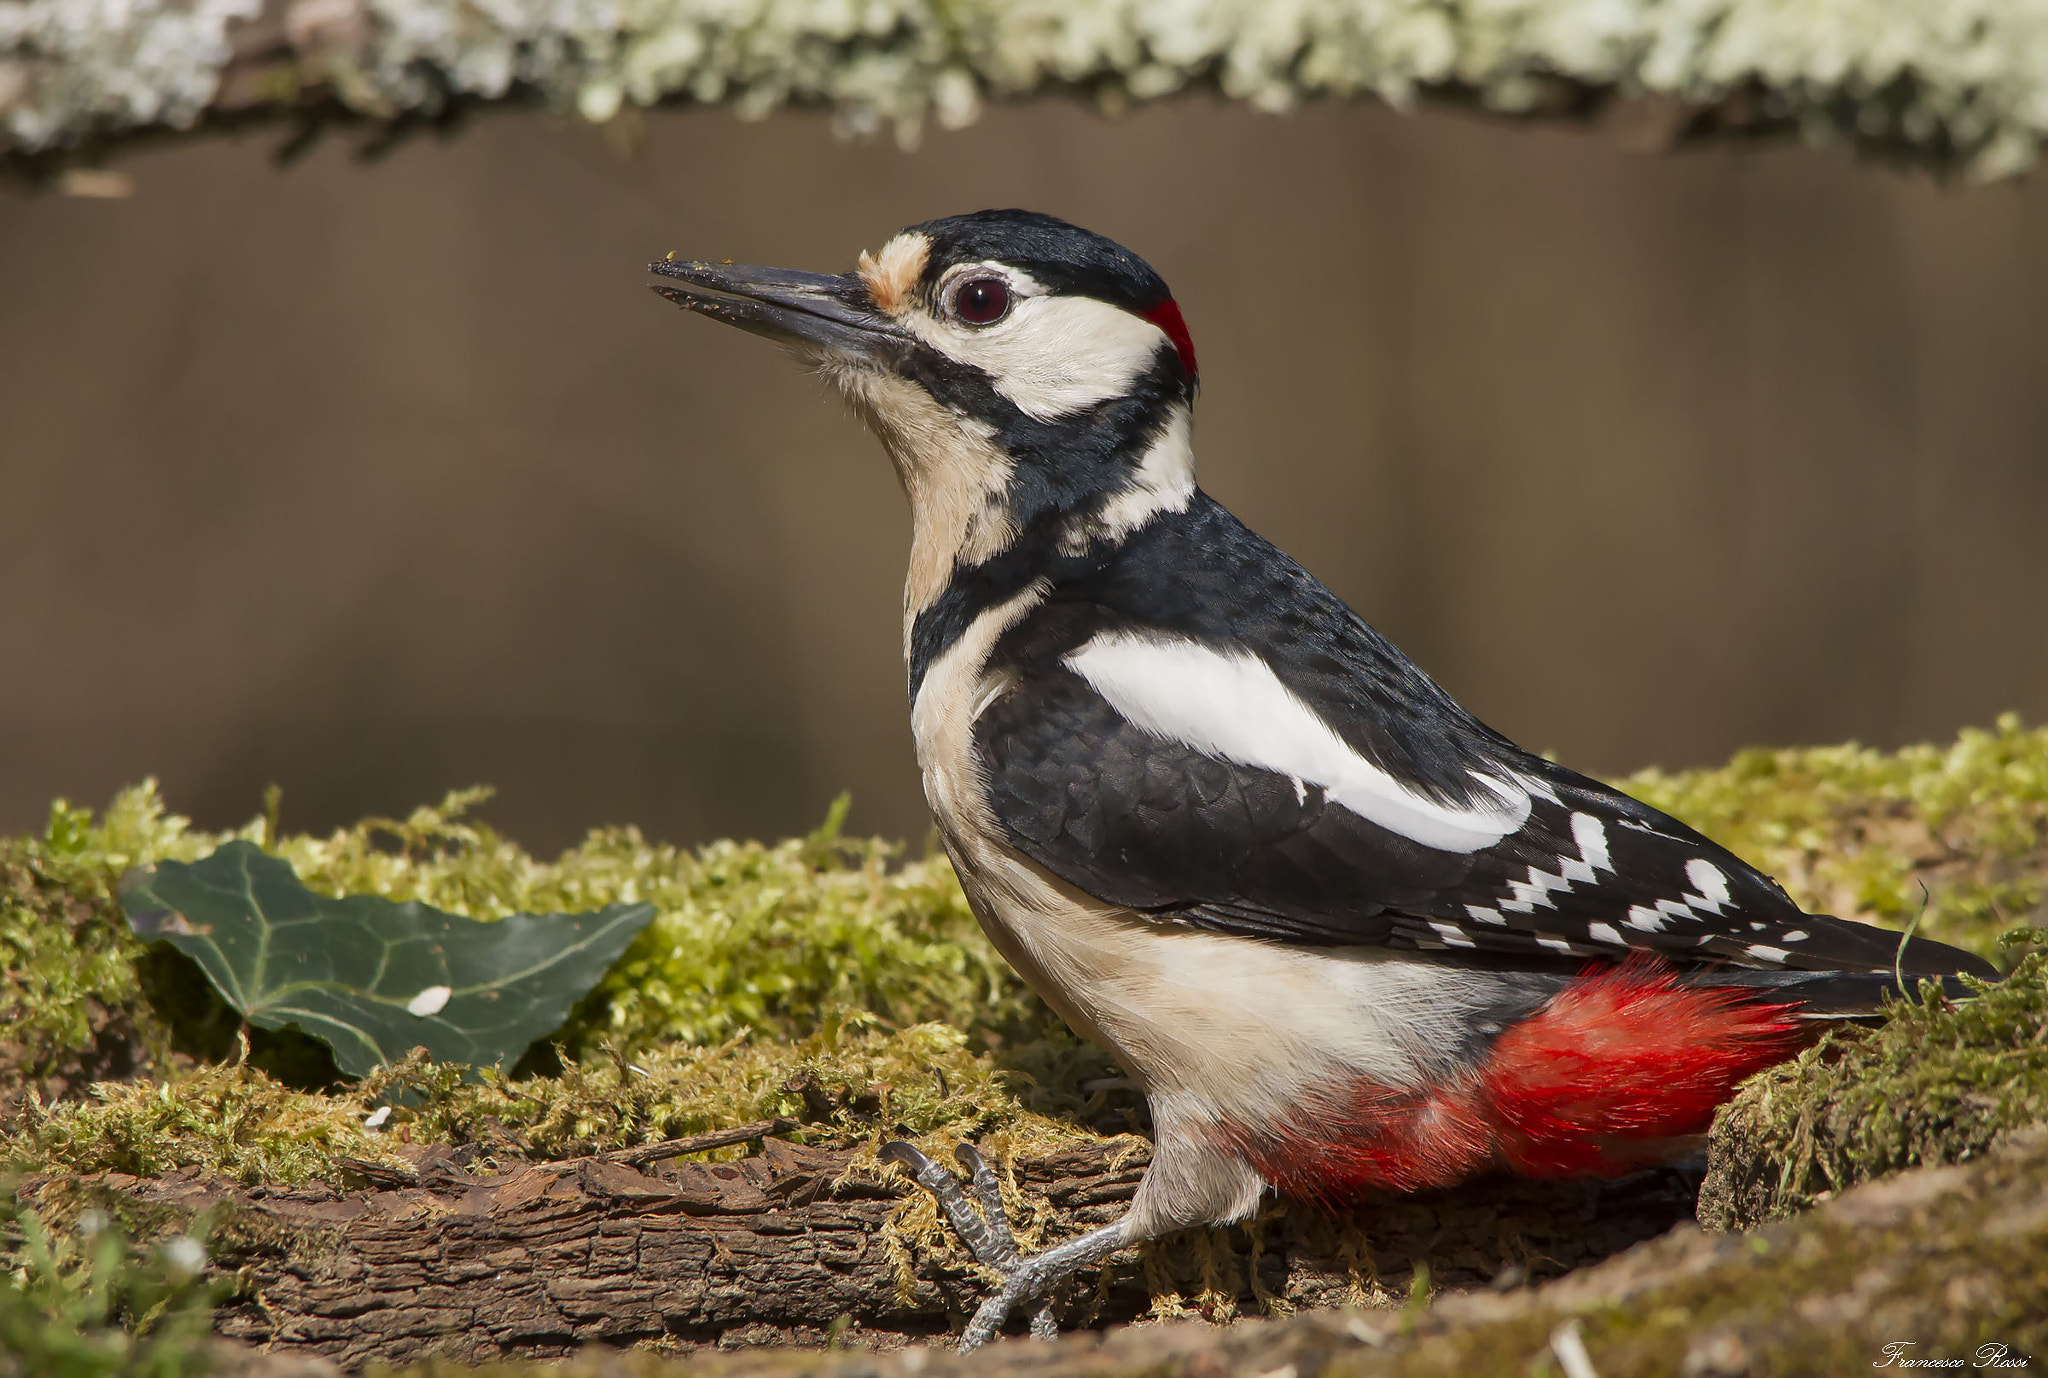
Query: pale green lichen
(1966, 80)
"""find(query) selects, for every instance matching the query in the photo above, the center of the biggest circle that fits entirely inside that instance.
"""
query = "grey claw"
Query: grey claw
(1034, 1280)
(986, 1233)
(908, 1155)
(989, 1192)
(987, 1321)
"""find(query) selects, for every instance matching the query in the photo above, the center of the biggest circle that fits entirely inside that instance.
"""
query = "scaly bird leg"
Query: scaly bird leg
(986, 1233)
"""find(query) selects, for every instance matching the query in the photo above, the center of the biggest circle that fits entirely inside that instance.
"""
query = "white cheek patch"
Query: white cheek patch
(1051, 356)
(1231, 705)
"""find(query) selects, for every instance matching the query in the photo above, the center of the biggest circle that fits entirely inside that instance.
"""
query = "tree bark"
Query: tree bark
(789, 1247)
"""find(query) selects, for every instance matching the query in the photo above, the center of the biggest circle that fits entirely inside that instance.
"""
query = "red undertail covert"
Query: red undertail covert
(1614, 1074)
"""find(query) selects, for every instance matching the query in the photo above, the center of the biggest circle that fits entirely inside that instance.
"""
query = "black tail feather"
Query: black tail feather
(1862, 946)
(1835, 994)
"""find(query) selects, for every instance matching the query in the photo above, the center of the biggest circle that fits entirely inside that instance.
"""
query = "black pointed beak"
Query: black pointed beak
(822, 312)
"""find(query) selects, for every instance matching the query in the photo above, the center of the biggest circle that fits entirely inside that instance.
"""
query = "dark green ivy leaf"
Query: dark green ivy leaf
(372, 978)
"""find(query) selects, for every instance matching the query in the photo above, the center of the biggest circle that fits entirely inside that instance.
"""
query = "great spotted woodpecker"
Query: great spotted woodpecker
(1341, 933)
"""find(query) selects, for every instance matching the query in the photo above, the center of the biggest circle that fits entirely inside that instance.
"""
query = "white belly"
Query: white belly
(1226, 1027)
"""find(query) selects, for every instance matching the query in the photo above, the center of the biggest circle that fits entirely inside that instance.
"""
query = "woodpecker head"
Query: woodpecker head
(1031, 380)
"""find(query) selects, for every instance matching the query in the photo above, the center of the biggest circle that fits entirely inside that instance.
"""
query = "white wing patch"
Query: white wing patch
(1231, 705)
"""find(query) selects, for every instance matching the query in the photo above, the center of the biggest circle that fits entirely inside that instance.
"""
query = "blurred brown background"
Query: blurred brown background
(374, 480)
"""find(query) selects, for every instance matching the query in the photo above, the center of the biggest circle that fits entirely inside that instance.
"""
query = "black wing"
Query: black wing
(1155, 824)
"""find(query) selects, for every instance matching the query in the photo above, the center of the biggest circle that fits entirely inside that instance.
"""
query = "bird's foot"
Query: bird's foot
(984, 1227)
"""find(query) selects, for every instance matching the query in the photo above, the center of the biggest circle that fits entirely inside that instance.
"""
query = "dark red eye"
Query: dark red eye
(982, 301)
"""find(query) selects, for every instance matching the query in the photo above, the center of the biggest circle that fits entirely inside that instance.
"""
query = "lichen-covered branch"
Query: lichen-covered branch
(1950, 81)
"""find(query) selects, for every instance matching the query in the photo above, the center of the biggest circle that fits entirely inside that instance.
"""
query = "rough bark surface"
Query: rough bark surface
(786, 1247)
(1948, 1266)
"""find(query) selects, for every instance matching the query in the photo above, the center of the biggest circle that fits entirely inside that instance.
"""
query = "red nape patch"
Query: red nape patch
(1620, 1063)
(1166, 316)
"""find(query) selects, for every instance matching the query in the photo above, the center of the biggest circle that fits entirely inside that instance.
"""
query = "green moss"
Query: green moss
(231, 1121)
(843, 961)
(72, 967)
(1947, 1276)
(837, 982)
(82, 1301)
(66, 961)
(1936, 1083)
(818, 958)
(773, 938)
(849, 1080)
(749, 936)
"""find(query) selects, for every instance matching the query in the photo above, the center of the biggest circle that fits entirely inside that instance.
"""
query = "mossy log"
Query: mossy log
(834, 987)
(1947, 1265)
(798, 1246)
